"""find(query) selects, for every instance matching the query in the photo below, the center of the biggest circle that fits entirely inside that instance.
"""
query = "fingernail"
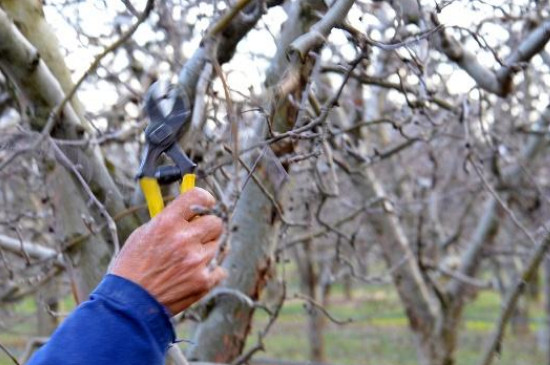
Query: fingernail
(199, 209)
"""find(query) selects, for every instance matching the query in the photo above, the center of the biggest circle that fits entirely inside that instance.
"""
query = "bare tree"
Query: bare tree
(377, 131)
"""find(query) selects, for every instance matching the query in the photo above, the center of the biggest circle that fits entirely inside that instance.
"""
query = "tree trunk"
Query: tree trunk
(519, 323)
(46, 88)
(26, 67)
(222, 335)
(316, 324)
(308, 284)
(348, 287)
(47, 301)
(90, 256)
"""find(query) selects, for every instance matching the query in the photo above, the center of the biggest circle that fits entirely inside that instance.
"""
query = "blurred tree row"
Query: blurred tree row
(335, 135)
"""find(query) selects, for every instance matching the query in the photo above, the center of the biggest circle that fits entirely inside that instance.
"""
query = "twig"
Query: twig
(227, 18)
(245, 299)
(232, 123)
(310, 235)
(65, 161)
(266, 192)
(244, 358)
(391, 46)
(7, 352)
(495, 342)
(95, 64)
(502, 203)
(374, 279)
(23, 251)
(322, 309)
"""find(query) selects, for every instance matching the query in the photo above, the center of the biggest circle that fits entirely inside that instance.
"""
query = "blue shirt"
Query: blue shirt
(120, 324)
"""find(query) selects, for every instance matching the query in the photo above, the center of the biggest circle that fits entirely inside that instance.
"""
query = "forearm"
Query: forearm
(126, 323)
(121, 324)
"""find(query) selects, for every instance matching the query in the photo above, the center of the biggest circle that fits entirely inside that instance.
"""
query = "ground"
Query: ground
(378, 334)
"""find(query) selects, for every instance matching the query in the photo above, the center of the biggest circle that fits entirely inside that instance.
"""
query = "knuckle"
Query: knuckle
(194, 259)
(209, 253)
(217, 223)
(189, 235)
(208, 226)
(204, 196)
(203, 279)
(197, 196)
(162, 222)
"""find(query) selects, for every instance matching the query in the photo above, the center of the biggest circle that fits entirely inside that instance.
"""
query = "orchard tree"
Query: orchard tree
(332, 133)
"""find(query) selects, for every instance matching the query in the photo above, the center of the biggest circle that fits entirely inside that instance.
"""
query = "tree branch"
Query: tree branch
(488, 223)
(32, 249)
(499, 82)
(527, 275)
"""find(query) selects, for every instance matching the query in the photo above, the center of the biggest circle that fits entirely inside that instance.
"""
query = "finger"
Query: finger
(210, 249)
(203, 229)
(183, 204)
(220, 254)
(214, 278)
(217, 276)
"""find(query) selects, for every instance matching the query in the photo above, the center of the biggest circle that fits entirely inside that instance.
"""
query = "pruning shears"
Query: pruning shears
(161, 136)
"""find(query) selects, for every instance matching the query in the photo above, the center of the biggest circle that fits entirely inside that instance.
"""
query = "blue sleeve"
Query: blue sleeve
(120, 324)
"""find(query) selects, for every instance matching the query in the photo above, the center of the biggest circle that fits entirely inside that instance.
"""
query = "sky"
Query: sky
(244, 71)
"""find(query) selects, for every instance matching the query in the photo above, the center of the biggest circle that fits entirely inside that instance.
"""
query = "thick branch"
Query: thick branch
(320, 30)
(31, 249)
(220, 44)
(23, 64)
(422, 310)
(499, 82)
(220, 337)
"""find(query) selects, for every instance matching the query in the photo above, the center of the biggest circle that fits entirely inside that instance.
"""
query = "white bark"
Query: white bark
(33, 250)
(23, 64)
(498, 82)
(253, 243)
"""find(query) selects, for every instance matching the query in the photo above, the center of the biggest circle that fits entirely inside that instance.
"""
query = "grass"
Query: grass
(379, 333)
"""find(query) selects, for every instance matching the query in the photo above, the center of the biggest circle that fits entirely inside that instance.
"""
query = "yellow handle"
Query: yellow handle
(187, 183)
(153, 195)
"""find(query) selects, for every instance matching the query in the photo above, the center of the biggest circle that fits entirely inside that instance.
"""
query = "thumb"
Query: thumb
(182, 206)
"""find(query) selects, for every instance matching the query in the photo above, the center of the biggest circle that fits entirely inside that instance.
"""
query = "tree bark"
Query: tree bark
(28, 17)
(47, 301)
(92, 255)
(221, 336)
(309, 279)
(22, 63)
(35, 64)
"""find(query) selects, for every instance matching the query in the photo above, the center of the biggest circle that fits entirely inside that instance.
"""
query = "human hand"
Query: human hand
(169, 255)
